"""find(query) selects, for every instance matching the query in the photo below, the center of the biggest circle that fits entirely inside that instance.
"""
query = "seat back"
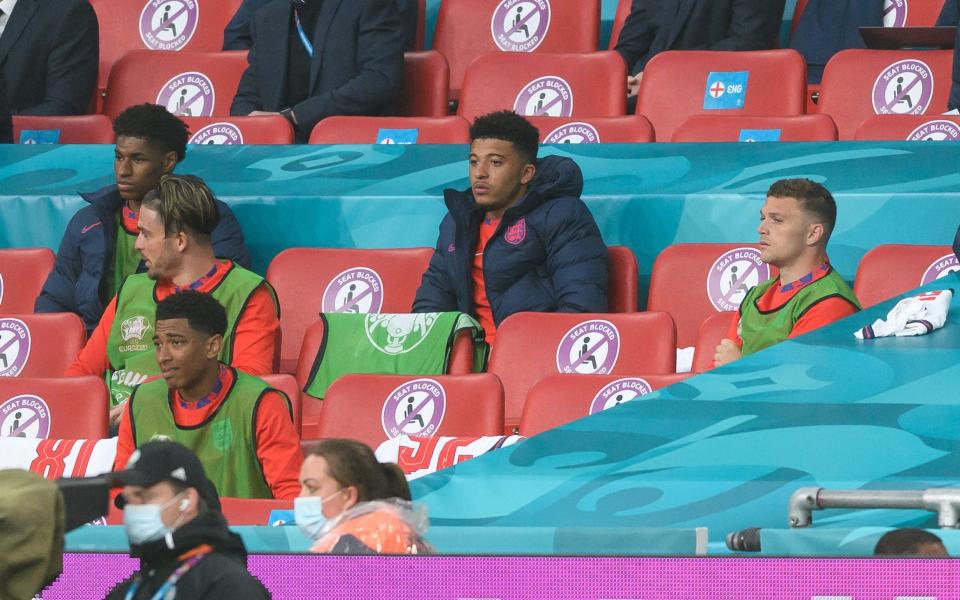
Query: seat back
(375, 408)
(39, 345)
(623, 11)
(188, 84)
(693, 281)
(559, 399)
(77, 129)
(309, 281)
(679, 84)
(911, 13)
(289, 386)
(264, 129)
(622, 294)
(532, 345)
(892, 269)
(538, 84)
(426, 85)
(626, 129)
(251, 511)
(73, 408)
(713, 329)
(797, 128)
(391, 130)
(22, 274)
(911, 128)
(467, 29)
(858, 84)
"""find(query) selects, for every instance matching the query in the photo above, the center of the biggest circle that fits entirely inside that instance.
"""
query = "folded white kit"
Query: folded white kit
(916, 315)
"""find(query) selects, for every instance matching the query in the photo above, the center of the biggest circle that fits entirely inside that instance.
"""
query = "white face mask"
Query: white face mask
(308, 514)
(144, 523)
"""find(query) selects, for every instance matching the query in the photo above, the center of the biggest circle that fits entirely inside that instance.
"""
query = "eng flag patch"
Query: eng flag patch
(725, 90)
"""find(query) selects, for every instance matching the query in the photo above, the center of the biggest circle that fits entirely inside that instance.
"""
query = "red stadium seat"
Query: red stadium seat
(776, 85)
(289, 386)
(713, 329)
(911, 13)
(799, 128)
(426, 85)
(693, 281)
(467, 29)
(532, 345)
(22, 273)
(367, 130)
(264, 129)
(375, 408)
(39, 345)
(911, 128)
(558, 399)
(189, 84)
(626, 129)
(251, 511)
(891, 269)
(421, 25)
(387, 282)
(537, 84)
(70, 408)
(622, 295)
(78, 129)
(858, 84)
(623, 11)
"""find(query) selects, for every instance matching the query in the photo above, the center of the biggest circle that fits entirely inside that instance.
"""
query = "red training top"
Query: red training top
(480, 302)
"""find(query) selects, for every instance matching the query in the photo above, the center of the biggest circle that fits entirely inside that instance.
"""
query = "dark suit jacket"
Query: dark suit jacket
(657, 25)
(357, 65)
(829, 26)
(49, 52)
(950, 15)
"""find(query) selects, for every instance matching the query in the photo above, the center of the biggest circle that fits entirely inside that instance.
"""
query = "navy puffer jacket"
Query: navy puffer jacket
(547, 255)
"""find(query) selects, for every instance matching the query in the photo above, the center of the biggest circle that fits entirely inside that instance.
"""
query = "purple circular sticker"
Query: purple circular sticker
(548, 96)
(619, 391)
(940, 268)
(894, 13)
(188, 95)
(219, 134)
(573, 133)
(903, 88)
(14, 346)
(520, 25)
(168, 24)
(25, 416)
(356, 290)
(1, 289)
(939, 130)
(414, 408)
(732, 275)
(592, 347)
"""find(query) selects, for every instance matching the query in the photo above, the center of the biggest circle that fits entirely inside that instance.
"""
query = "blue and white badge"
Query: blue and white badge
(759, 135)
(397, 136)
(40, 136)
(725, 90)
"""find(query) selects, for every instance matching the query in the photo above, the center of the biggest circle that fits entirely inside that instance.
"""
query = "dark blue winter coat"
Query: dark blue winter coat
(546, 256)
(86, 254)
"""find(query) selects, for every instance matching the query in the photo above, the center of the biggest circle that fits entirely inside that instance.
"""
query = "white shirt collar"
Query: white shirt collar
(7, 6)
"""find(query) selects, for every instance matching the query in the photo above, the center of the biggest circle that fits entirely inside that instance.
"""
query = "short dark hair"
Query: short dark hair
(157, 125)
(508, 126)
(907, 542)
(202, 311)
(185, 203)
(353, 463)
(815, 199)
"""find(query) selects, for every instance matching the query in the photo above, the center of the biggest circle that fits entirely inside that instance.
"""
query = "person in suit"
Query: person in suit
(950, 17)
(49, 52)
(6, 121)
(351, 62)
(829, 26)
(657, 25)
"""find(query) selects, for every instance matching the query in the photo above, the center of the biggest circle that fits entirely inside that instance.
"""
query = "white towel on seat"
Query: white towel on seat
(916, 315)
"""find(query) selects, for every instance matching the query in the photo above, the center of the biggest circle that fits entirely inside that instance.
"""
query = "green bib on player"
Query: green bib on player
(126, 259)
(225, 442)
(759, 329)
(130, 343)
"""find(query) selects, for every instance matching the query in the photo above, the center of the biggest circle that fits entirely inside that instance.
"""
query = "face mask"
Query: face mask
(308, 514)
(143, 522)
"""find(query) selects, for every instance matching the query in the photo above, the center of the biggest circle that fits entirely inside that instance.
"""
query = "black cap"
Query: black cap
(164, 460)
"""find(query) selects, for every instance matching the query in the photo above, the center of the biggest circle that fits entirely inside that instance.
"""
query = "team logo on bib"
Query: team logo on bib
(188, 95)
(732, 276)
(398, 333)
(516, 233)
(619, 391)
(548, 96)
(894, 13)
(592, 347)
(573, 133)
(414, 408)
(357, 290)
(168, 24)
(218, 134)
(940, 268)
(134, 328)
(940, 130)
(25, 416)
(520, 25)
(14, 347)
(903, 88)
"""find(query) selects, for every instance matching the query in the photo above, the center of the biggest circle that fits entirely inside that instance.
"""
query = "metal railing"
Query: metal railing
(943, 501)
